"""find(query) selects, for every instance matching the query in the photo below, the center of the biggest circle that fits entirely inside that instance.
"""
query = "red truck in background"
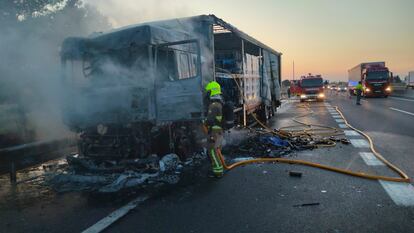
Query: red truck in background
(374, 76)
(294, 88)
(311, 87)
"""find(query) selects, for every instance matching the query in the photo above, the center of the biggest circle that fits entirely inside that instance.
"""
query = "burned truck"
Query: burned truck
(139, 90)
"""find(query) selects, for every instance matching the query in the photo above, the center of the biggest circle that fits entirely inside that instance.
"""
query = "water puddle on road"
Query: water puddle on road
(30, 186)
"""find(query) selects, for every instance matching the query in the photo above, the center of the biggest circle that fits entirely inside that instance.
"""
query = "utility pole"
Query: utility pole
(293, 69)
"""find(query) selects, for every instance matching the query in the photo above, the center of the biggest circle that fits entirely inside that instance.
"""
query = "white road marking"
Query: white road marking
(351, 133)
(370, 159)
(337, 117)
(339, 120)
(343, 126)
(359, 143)
(114, 216)
(401, 193)
(398, 98)
(399, 110)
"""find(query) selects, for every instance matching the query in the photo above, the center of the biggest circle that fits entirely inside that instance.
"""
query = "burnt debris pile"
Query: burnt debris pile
(268, 144)
(108, 176)
(259, 145)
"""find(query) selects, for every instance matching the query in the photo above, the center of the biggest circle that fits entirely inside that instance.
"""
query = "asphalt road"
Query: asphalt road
(383, 119)
(262, 197)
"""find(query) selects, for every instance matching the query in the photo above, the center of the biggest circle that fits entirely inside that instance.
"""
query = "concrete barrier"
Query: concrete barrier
(408, 93)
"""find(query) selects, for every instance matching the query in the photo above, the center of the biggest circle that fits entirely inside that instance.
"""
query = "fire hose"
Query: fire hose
(403, 177)
(283, 133)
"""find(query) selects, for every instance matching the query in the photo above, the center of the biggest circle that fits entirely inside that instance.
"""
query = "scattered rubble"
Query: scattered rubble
(307, 204)
(83, 174)
(259, 146)
(110, 176)
(295, 174)
(264, 144)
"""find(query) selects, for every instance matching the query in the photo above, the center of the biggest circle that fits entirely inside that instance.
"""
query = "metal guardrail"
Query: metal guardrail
(21, 156)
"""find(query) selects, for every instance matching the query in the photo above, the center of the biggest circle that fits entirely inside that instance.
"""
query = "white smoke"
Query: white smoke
(30, 40)
(126, 12)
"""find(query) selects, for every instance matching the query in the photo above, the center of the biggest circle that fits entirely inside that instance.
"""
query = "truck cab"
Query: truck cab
(376, 81)
(311, 88)
(374, 76)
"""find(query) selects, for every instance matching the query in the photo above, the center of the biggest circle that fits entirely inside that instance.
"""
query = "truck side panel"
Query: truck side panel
(410, 79)
(183, 99)
(354, 76)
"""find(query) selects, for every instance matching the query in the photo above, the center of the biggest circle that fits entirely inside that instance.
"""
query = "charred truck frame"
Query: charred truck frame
(139, 90)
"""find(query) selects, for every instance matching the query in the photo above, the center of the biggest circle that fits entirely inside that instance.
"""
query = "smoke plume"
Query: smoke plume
(31, 33)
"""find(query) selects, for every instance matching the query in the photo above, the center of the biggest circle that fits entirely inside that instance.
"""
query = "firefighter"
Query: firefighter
(214, 126)
(358, 90)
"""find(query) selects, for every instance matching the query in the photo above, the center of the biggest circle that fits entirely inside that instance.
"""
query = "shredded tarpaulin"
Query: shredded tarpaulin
(169, 162)
(126, 181)
(259, 146)
(273, 140)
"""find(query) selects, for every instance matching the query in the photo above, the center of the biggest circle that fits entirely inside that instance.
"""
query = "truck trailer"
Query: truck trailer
(374, 76)
(409, 80)
(139, 90)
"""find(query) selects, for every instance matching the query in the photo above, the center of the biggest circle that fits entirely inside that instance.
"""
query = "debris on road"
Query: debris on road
(307, 204)
(295, 174)
(274, 141)
(265, 144)
(258, 146)
(113, 176)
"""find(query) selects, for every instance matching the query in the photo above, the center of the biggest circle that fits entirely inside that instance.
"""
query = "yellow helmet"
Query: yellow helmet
(214, 88)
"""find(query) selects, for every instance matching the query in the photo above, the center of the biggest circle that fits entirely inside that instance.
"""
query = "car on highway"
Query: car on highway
(341, 89)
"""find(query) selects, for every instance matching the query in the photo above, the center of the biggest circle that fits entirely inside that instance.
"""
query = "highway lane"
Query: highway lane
(392, 131)
(254, 198)
(262, 198)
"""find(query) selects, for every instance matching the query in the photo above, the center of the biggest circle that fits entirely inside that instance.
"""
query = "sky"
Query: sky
(325, 37)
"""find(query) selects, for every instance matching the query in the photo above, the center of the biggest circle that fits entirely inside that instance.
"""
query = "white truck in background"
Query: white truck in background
(409, 80)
